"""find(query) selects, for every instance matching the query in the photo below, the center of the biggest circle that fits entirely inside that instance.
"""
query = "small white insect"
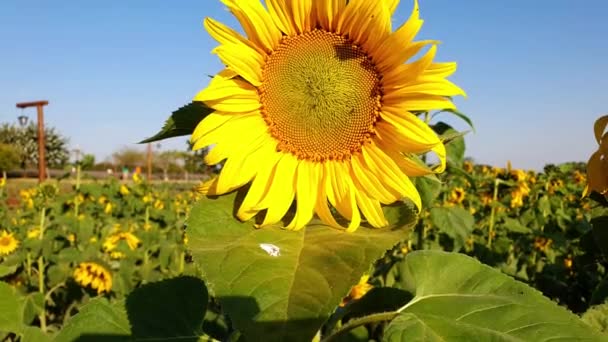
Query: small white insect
(271, 249)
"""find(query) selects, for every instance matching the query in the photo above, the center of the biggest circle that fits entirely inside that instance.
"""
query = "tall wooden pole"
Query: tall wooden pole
(41, 140)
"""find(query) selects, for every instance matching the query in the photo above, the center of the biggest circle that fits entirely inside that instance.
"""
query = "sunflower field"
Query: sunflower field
(343, 209)
(101, 245)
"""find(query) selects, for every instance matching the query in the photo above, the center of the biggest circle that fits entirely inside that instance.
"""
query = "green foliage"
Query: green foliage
(26, 141)
(181, 122)
(87, 162)
(129, 157)
(284, 295)
(458, 298)
(9, 157)
(165, 310)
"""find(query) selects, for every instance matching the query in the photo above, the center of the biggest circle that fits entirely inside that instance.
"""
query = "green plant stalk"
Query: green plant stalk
(78, 177)
(493, 212)
(28, 265)
(182, 257)
(41, 268)
(147, 217)
(355, 323)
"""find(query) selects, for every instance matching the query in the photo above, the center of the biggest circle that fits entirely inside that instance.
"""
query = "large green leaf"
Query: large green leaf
(97, 320)
(456, 222)
(181, 122)
(456, 298)
(284, 294)
(597, 317)
(11, 309)
(171, 309)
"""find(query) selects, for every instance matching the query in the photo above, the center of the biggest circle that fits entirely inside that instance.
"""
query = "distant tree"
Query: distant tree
(9, 157)
(87, 161)
(170, 161)
(25, 140)
(129, 157)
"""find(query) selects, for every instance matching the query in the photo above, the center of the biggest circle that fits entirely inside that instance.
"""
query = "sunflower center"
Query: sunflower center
(5, 241)
(320, 95)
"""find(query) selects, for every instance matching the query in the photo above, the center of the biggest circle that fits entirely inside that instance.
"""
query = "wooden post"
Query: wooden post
(41, 140)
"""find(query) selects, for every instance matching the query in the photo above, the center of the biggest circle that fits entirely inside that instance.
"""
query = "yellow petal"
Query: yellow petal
(371, 185)
(398, 47)
(405, 74)
(418, 102)
(364, 20)
(222, 88)
(261, 183)
(241, 166)
(371, 210)
(235, 123)
(408, 131)
(385, 168)
(225, 35)
(210, 123)
(328, 12)
(242, 59)
(280, 195)
(249, 132)
(256, 22)
(280, 16)
(308, 182)
(321, 207)
(431, 86)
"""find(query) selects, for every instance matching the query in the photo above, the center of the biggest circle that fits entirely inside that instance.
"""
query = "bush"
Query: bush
(9, 157)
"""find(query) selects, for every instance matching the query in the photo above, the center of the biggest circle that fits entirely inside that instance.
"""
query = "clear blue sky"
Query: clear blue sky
(536, 72)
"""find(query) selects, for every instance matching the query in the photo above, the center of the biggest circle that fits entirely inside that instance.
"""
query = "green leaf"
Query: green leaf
(287, 295)
(455, 145)
(461, 115)
(456, 298)
(429, 190)
(515, 226)
(7, 270)
(96, 320)
(600, 233)
(172, 309)
(181, 122)
(169, 308)
(34, 334)
(11, 309)
(456, 222)
(597, 317)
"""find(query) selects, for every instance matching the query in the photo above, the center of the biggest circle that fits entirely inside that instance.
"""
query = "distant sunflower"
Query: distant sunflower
(94, 275)
(8, 243)
(318, 104)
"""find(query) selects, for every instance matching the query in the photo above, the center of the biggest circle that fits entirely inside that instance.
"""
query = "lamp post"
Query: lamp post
(41, 150)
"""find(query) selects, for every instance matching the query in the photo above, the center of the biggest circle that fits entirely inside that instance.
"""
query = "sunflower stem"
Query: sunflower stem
(42, 315)
(493, 213)
(355, 323)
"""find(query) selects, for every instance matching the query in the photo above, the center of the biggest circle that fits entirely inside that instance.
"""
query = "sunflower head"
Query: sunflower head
(318, 104)
(8, 243)
(96, 276)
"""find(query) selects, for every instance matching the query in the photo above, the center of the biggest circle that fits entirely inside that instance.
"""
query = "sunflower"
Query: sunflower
(597, 167)
(457, 195)
(319, 103)
(94, 275)
(112, 241)
(8, 243)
